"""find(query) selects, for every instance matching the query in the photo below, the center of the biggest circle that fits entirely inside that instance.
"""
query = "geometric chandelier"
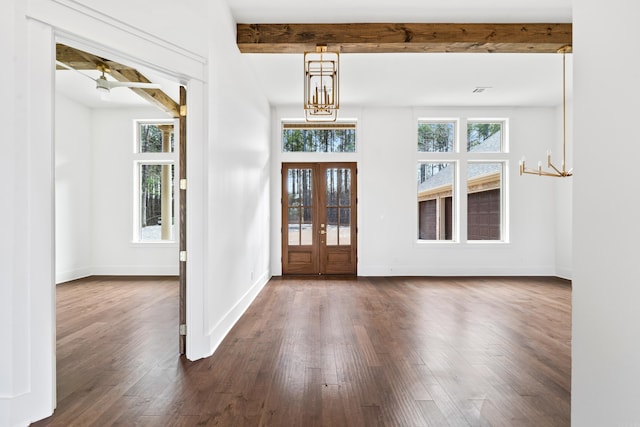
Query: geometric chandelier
(321, 85)
(561, 172)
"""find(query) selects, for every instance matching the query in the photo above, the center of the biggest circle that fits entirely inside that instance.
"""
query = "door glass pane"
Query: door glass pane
(300, 187)
(338, 226)
(300, 204)
(338, 187)
(345, 186)
(307, 227)
(332, 226)
(294, 226)
(344, 234)
(332, 187)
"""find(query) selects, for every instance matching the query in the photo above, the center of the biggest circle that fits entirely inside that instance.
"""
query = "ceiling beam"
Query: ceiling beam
(81, 60)
(416, 37)
(154, 96)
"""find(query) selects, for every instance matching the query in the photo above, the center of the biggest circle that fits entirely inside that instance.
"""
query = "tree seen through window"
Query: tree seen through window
(322, 140)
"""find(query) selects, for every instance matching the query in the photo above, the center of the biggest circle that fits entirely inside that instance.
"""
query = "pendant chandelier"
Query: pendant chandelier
(321, 85)
(553, 170)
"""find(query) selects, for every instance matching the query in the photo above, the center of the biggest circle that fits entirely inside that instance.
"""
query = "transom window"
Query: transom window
(319, 137)
(484, 136)
(436, 136)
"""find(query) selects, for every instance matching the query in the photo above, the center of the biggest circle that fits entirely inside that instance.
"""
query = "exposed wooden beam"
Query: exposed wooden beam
(417, 37)
(154, 96)
(81, 60)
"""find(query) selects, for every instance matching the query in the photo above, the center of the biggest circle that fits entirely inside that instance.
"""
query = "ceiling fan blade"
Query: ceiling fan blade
(106, 85)
(112, 84)
(63, 65)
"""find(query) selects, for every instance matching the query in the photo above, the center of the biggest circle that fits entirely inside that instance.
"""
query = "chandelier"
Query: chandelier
(553, 170)
(321, 85)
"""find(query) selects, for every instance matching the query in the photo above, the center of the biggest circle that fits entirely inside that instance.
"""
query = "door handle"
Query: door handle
(323, 232)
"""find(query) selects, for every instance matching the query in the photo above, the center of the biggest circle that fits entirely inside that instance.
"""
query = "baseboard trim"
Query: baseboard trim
(220, 330)
(68, 276)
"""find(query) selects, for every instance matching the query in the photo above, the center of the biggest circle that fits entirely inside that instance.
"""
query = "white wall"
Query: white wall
(606, 293)
(239, 180)
(387, 210)
(27, 363)
(73, 179)
(112, 176)
(94, 195)
(14, 369)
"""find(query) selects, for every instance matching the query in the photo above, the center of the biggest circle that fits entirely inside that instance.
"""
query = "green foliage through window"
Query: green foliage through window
(152, 179)
(434, 137)
(151, 139)
(479, 136)
(319, 140)
(155, 161)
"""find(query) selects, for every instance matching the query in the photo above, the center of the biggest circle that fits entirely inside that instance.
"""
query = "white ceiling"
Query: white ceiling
(412, 79)
(77, 85)
(394, 79)
(327, 11)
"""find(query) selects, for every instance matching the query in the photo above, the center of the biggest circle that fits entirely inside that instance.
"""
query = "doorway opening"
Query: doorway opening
(319, 218)
(124, 89)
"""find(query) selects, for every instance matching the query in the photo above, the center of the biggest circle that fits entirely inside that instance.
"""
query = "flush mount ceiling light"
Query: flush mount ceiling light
(561, 172)
(321, 85)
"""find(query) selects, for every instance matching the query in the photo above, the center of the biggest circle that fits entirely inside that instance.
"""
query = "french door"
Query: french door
(319, 218)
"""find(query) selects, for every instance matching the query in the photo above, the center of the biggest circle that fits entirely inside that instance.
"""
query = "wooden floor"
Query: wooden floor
(321, 352)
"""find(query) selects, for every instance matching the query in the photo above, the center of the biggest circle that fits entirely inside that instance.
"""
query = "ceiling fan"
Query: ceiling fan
(103, 85)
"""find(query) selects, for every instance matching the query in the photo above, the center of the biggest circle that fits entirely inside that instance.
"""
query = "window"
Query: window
(484, 137)
(155, 163)
(435, 136)
(150, 138)
(481, 170)
(319, 137)
(436, 200)
(484, 201)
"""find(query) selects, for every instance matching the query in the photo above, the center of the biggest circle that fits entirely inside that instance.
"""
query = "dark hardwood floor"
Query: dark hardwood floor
(321, 352)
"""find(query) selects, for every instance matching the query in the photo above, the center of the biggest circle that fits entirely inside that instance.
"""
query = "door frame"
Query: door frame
(186, 69)
(182, 238)
(320, 251)
(69, 24)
